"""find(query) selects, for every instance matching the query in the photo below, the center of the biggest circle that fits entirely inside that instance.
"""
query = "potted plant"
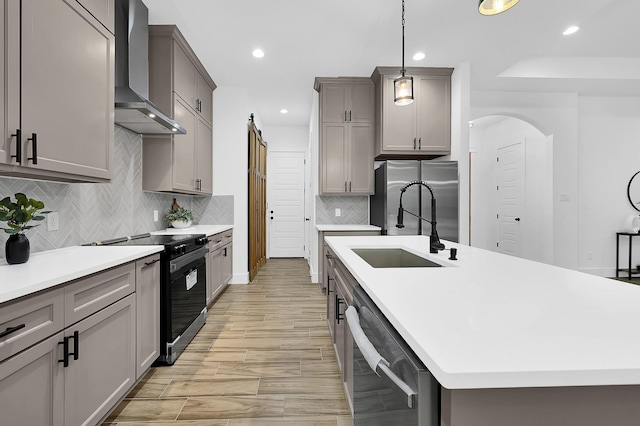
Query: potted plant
(18, 214)
(179, 218)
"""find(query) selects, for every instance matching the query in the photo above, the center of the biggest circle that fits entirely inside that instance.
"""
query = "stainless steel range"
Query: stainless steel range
(183, 309)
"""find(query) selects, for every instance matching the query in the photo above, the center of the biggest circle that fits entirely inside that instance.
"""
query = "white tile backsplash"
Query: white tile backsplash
(97, 211)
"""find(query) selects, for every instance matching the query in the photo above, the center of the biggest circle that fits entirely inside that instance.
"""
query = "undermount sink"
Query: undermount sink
(393, 258)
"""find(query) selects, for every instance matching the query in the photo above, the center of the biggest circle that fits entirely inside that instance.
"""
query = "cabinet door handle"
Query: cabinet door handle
(345, 116)
(339, 302)
(34, 148)
(11, 330)
(76, 344)
(349, 186)
(420, 143)
(65, 352)
(414, 144)
(328, 256)
(18, 156)
(349, 115)
(151, 263)
(224, 252)
(345, 187)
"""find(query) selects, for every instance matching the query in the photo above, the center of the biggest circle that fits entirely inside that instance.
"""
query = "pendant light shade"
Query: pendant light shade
(403, 85)
(493, 7)
(403, 90)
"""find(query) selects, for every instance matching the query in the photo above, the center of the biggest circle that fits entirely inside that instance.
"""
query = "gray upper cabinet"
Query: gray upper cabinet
(59, 78)
(179, 84)
(347, 115)
(421, 129)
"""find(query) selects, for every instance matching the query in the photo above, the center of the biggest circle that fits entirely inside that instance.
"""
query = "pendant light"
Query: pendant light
(493, 7)
(403, 85)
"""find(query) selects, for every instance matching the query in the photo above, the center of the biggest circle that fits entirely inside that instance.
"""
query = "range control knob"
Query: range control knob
(202, 241)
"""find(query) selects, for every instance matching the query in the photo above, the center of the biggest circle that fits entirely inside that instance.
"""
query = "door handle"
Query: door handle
(34, 148)
(18, 156)
(414, 144)
(11, 330)
(419, 143)
(271, 217)
(307, 219)
(517, 219)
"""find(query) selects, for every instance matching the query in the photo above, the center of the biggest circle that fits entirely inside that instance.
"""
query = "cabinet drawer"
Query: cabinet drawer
(220, 239)
(34, 318)
(89, 295)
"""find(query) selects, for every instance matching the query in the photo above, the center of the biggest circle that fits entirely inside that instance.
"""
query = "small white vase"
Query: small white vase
(180, 224)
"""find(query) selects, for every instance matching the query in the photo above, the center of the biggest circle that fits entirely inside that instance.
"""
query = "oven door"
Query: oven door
(187, 293)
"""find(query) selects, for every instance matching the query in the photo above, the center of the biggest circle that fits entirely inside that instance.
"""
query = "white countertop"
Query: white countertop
(209, 230)
(496, 321)
(48, 269)
(328, 227)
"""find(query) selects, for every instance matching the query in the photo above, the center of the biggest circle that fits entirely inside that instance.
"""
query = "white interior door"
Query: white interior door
(286, 204)
(510, 187)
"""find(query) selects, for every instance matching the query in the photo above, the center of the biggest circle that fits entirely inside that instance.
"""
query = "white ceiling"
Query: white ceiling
(522, 49)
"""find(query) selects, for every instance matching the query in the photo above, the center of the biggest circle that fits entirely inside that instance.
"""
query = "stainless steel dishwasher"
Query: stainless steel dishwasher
(391, 385)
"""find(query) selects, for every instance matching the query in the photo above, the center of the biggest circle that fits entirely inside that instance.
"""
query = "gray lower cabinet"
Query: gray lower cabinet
(147, 313)
(71, 353)
(340, 297)
(219, 264)
(49, 77)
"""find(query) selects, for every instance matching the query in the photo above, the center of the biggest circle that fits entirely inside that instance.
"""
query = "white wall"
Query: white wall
(294, 138)
(537, 218)
(314, 144)
(232, 107)
(556, 115)
(609, 154)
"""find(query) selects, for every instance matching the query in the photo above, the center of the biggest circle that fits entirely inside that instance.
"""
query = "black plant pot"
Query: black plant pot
(17, 249)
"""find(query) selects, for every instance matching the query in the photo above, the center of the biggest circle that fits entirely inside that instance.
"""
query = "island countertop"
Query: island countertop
(490, 320)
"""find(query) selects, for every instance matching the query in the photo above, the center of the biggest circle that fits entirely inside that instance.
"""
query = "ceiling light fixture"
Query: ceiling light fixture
(493, 7)
(258, 53)
(571, 30)
(283, 111)
(403, 85)
(419, 56)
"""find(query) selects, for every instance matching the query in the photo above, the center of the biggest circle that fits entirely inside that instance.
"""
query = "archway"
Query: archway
(532, 223)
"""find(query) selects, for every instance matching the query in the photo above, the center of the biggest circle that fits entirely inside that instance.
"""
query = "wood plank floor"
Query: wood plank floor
(264, 357)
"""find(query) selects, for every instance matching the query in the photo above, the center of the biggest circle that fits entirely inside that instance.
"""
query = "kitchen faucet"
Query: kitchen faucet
(434, 240)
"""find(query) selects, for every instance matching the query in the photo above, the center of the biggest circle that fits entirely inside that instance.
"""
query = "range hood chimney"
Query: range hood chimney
(133, 110)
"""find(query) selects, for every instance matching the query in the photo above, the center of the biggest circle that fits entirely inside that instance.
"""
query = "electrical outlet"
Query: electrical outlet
(53, 223)
(155, 215)
(338, 212)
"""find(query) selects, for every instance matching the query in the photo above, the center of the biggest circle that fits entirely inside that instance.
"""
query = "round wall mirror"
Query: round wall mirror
(633, 191)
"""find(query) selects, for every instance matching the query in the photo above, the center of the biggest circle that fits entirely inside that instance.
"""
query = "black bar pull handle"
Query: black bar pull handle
(65, 357)
(75, 344)
(339, 302)
(10, 330)
(18, 156)
(34, 148)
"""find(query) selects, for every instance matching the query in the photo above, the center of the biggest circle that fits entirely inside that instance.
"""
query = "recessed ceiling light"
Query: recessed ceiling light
(471, 124)
(571, 30)
(283, 111)
(258, 53)
(419, 56)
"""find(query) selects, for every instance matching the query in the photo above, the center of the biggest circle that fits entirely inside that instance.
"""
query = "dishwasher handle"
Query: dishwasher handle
(373, 358)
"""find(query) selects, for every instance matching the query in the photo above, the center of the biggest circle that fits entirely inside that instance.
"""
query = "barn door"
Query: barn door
(257, 200)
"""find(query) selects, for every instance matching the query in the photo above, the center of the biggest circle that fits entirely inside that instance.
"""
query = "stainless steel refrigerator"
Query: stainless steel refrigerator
(392, 175)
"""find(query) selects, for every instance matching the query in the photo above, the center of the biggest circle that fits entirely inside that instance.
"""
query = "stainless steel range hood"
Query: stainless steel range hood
(133, 110)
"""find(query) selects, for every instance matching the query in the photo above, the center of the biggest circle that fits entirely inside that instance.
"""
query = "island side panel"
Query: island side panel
(557, 406)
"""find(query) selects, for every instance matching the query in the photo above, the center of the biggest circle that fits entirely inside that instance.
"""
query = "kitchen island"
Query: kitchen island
(511, 341)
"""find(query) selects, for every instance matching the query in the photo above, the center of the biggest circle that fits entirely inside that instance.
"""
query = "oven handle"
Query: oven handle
(373, 358)
(182, 261)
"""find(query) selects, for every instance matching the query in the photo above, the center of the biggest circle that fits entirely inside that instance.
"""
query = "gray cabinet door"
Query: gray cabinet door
(398, 122)
(227, 263)
(105, 369)
(102, 10)
(334, 103)
(362, 106)
(204, 154)
(334, 150)
(147, 313)
(205, 100)
(185, 77)
(67, 89)
(184, 148)
(433, 113)
(216, 273)
(32, 386)
(361, 158)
